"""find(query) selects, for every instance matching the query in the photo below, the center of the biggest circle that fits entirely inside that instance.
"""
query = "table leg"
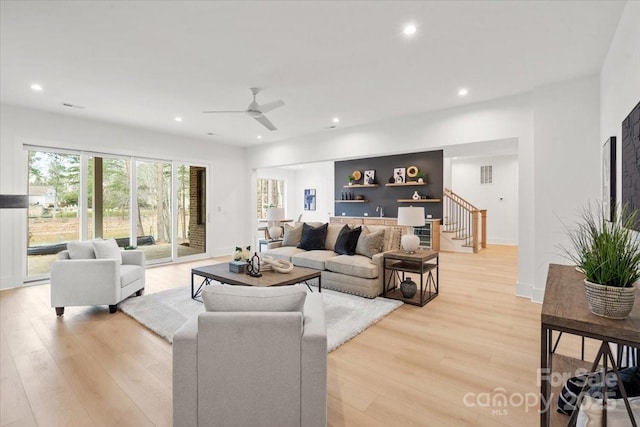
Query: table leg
(544, 377)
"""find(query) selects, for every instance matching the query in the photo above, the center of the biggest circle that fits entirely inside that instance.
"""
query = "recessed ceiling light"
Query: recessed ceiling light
(336, 120)
(463, 92)
(36, 87)
(259, 137)
(409, 30)
(210, 133)
(455, 158)
(178, 119)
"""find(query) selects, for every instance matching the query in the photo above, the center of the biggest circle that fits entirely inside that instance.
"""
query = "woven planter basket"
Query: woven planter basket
(609, 301)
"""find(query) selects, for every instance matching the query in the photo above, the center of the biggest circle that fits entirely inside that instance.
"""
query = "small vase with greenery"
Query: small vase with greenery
(608, 253)
(420, 176)
(351, 178)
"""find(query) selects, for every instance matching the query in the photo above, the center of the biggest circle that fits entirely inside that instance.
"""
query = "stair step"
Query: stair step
(461, 237)
(453, 230)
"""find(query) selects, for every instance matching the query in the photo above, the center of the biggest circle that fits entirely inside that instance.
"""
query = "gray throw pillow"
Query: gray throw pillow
(251, 298)
(292, 235)
(81, 250)
(107, 249)
(370, 243)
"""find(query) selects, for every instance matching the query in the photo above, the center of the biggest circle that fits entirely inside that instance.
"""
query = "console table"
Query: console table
(565, 310)
(421, 262)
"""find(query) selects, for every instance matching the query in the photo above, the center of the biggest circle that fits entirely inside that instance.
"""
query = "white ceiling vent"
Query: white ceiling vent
(486, 174)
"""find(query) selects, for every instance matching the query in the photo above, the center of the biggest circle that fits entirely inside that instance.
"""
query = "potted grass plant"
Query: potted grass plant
(608, 253)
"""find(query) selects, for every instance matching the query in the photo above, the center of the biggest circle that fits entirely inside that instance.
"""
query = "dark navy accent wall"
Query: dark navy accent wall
(429, 162)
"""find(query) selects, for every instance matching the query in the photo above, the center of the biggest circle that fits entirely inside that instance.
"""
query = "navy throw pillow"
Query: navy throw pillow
(347, 240)
(313, 237)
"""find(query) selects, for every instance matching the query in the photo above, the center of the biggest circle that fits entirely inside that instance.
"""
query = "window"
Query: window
(270, 194)
(486, 174)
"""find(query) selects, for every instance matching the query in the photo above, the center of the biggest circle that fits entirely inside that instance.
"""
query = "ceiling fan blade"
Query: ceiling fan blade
(265, 122)
(270, 106)
(234, 111)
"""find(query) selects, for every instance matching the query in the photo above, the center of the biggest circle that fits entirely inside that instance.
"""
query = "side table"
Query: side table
(422, 262)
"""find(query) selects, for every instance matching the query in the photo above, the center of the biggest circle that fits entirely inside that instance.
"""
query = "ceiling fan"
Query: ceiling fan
(257, 111)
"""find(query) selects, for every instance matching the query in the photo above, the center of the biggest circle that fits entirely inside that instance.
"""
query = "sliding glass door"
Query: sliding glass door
(192, 215)
(53, 215)
(153, 210)
(156, 206)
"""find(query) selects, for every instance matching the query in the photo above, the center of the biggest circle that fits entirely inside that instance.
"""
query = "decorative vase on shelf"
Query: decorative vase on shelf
(408, 288)
(415, 196)
(420, 180)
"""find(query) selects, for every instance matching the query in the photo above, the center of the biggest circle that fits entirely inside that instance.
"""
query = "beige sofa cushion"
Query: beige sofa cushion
(292, 235)
(370, 242)
(353, 265)
(283, 252)
(312, 259)
(332, 236)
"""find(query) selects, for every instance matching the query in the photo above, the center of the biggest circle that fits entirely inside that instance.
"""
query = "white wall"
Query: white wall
(226, 197)
(620, 80)
(566, 163)
(500, 198)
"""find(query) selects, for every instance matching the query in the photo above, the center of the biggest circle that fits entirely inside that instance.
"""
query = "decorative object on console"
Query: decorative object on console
(351, 178)
(412, 171)
(415, 196)
(408, 288)
(370, 177)
(253, 266)
(399, 175)
(274, 216)
(420, 175)
(410, 217)
(608, 254)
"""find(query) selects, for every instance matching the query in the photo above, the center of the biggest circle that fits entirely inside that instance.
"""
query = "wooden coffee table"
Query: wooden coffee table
(221, 273)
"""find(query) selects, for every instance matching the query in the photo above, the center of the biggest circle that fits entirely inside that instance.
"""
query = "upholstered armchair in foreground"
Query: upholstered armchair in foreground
(95, 272)
(256, 357)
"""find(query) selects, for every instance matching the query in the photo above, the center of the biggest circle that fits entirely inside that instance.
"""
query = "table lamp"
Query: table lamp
(274, 216)
(410, 217)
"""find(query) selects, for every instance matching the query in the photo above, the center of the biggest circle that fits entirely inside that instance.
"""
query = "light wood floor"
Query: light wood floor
(413, 368)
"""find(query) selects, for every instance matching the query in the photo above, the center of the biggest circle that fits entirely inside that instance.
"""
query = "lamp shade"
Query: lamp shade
(411, 216)
(275, 214)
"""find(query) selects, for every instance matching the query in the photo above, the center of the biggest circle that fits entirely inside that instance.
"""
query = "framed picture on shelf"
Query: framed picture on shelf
(399, 175)
(369, 177)
(609, 177)
(310, 199)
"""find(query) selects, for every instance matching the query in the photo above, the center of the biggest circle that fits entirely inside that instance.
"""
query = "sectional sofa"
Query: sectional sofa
(359, 274)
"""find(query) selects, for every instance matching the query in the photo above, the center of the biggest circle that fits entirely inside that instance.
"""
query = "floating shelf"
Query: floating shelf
(361, 186)
(406, 184)
(351, 201)
(419, 201)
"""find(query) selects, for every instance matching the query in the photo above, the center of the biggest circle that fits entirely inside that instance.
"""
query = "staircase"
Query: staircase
(464, 227)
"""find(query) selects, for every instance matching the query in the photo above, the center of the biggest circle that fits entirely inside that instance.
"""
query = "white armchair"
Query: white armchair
(256, 357)
(82, 276)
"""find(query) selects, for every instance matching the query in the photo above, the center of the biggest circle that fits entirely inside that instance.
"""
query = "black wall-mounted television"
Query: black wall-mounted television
(631, 162)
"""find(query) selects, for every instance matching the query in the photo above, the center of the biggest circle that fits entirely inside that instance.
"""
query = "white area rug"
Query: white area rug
(346, 315)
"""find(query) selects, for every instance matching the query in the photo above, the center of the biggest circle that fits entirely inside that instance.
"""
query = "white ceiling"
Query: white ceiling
(143, 62)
